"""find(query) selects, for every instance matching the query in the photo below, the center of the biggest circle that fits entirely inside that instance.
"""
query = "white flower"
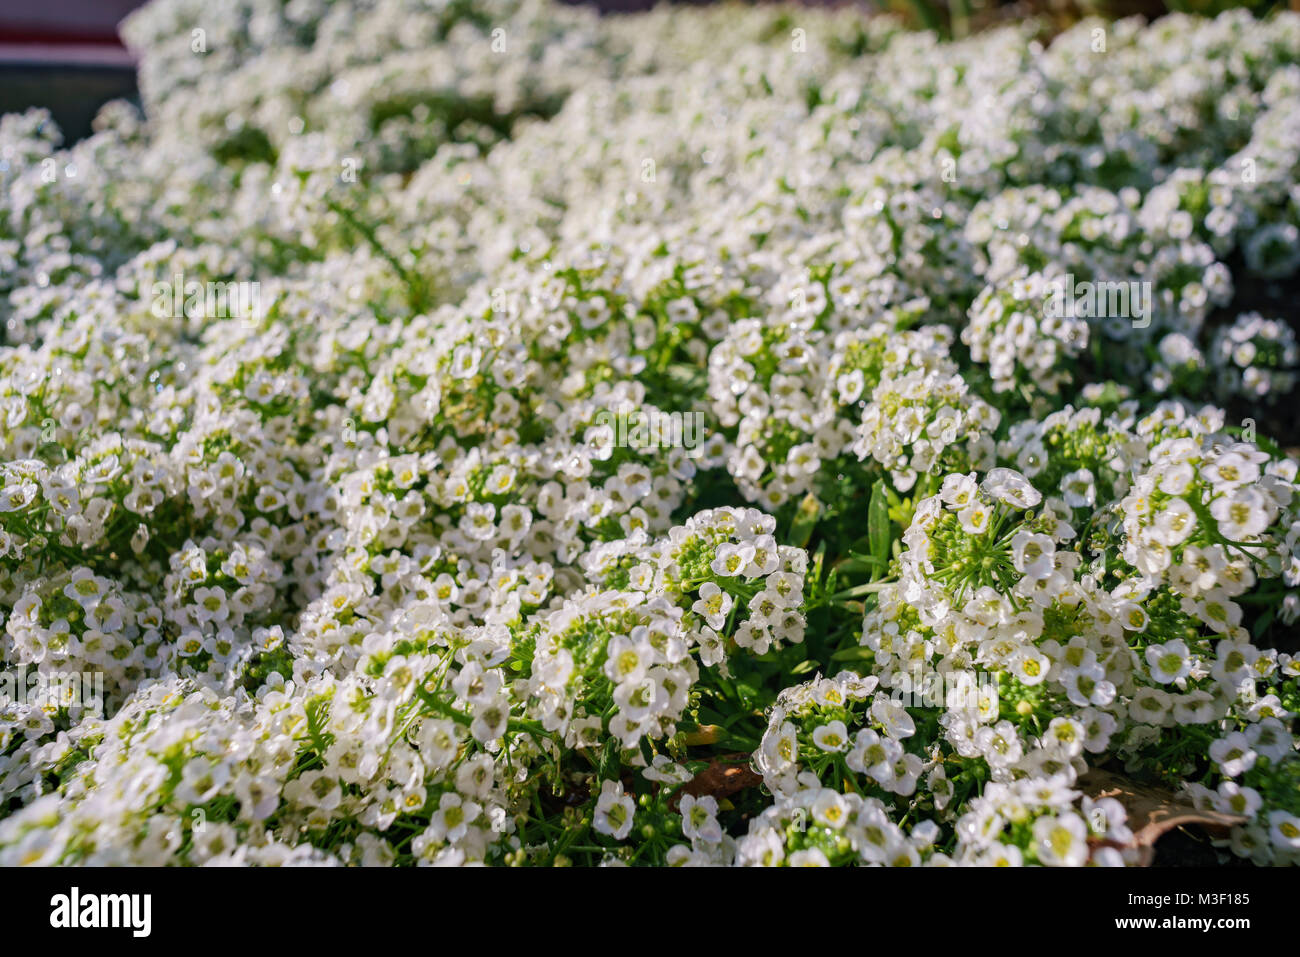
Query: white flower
(1079, 488)
(1009, 486)
(1242, 514)
(1061, 840)
(712, 605)
(700, 819)
(614, 811)
(1284, 830)
(1033, 554)
(1233, 754)
(1169, 662)
(833, 736)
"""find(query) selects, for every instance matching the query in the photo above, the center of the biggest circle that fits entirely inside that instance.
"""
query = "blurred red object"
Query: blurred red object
(63, 22)
(64, 55)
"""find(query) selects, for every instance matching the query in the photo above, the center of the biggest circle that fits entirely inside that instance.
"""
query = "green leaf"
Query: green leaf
(861, 563)
(805, 518)
(1261, 625)
(878, 528)
(858, 591)
(709, 716)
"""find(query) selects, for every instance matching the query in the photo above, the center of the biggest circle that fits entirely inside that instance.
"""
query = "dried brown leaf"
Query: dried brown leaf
(725, 775)
(1152, 811)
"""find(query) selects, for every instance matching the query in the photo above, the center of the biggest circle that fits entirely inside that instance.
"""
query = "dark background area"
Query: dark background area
(64, 55)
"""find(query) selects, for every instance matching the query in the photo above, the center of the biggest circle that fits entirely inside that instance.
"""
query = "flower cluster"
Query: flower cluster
(1255, 357)
(364, 545)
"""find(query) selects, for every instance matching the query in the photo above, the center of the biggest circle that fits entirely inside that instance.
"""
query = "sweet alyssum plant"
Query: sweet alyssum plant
(370, 572)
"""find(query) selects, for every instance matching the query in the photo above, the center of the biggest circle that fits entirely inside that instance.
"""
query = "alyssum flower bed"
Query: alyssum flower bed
(379, 563)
